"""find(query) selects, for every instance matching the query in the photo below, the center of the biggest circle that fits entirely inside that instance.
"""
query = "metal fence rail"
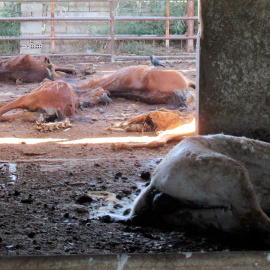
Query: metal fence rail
(112, 19)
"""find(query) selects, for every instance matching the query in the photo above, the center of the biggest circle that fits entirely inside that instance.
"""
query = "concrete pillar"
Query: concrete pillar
(234, 85)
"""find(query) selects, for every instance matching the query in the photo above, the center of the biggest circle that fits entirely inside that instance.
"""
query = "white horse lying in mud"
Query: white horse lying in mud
(214, 181)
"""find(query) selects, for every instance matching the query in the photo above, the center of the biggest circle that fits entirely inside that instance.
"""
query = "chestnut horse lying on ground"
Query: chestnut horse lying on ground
(58, 96)
(30, 69)
(142, 83)
(214, 181)
(57, 99)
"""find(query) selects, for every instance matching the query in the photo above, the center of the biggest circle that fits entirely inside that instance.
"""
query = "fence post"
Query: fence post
(112, 30)
(190, 26)
(167, 33)
(52, 28)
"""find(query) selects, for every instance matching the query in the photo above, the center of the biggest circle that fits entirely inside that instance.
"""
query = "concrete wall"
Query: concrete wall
(234, 87)
(31, 28)
(62, 9)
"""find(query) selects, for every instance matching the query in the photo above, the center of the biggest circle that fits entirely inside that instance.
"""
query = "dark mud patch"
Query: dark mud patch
(51, 207)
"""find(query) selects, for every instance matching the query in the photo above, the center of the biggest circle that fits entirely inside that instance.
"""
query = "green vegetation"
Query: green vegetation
(150, 8)
(155, 8)
(10, 9)
(157, 28)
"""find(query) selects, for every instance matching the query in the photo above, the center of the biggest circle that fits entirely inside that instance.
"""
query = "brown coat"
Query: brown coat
(142, 83)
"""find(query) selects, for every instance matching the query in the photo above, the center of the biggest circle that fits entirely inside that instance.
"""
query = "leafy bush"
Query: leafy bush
(10, 9)
(150, 8)
(143, 27)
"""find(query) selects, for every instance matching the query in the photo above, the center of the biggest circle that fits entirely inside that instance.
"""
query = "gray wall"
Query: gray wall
(234, 84)
(62, 9)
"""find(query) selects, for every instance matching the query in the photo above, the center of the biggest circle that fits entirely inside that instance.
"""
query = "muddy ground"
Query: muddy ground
(53, 186)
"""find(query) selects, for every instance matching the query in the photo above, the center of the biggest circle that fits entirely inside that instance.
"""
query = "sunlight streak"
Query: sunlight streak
(28, 141)
(184, 129)
(181, 130)
(105, 140)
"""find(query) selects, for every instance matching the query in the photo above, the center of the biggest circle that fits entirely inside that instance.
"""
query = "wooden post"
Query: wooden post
(52, 28)
(112, 30)
(167, 33)
(190, 26)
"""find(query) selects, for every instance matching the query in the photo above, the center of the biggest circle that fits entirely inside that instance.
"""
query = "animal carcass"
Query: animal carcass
(30, 69)
(213, 181)
(142, 83)
(155, 121)
(91, 97)
(56, 95)
(169, 125)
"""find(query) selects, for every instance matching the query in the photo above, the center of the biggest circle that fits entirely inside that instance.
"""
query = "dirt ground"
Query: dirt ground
(53, 185)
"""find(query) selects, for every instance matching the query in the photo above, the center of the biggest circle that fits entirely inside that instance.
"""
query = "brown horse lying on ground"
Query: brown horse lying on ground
(57, 99)
(58, 96)
(142, 83)
(30, 69)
